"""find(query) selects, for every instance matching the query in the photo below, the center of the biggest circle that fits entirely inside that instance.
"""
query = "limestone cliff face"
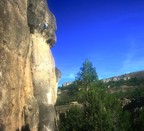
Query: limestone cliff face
(28, 83)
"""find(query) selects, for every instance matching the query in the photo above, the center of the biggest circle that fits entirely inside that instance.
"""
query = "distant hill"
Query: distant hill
(138, 74)
(125, 85)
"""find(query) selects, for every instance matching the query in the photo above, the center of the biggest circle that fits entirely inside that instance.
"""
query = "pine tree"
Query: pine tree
(87, 74)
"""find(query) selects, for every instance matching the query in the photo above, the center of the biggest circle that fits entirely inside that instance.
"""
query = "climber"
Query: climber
(43, 27)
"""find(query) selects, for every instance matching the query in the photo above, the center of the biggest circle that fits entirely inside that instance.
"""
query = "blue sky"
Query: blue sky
(110, 33)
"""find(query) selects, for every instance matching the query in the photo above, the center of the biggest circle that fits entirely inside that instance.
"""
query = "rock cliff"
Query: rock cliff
(28, 83)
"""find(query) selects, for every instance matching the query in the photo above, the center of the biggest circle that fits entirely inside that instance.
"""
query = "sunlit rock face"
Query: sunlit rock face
(28, 83)
(44, 80)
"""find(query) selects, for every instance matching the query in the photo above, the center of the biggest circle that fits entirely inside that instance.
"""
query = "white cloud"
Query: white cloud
(69, 76)
(133, 61)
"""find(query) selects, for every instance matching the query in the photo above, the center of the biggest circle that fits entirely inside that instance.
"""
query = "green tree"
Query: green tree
(101, 112)
(72, 120)
(87, 74)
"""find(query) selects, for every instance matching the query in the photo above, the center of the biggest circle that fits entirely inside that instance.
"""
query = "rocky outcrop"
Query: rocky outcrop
(58, 74)
(66, 84)
(28, 83)
(138, 75)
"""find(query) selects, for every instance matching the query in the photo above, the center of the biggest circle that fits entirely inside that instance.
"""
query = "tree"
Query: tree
(87, 74)
(100, 112)
(72, 121)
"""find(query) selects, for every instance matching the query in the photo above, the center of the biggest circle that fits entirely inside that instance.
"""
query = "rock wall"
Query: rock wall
(28, 83)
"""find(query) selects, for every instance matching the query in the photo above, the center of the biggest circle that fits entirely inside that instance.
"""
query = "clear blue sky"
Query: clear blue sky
(110, 33)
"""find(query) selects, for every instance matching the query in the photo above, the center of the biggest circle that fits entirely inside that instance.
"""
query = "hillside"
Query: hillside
(138, 74)
(121, 85)
(129, 93)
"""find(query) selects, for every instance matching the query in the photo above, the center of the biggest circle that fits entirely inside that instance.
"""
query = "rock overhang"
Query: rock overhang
(41, 20)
